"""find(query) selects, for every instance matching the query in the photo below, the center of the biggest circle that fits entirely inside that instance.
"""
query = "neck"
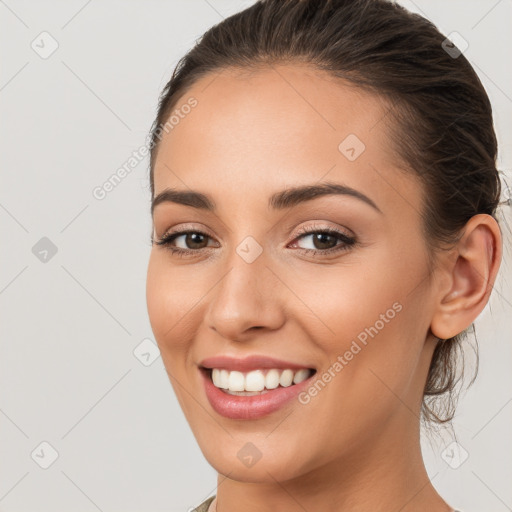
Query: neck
(385, 474)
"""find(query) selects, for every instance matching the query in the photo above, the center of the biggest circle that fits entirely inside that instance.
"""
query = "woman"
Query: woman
(324, 186)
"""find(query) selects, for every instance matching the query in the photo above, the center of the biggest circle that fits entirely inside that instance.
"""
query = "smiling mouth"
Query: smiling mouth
(256, 382)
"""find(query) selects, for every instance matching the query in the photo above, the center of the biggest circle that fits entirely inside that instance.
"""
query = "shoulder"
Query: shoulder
(203, 507)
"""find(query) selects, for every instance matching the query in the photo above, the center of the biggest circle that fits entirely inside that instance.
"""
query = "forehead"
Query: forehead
(276, 126)
(292, 102)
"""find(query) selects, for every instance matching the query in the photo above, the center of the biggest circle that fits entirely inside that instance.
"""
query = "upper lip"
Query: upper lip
(249, 363)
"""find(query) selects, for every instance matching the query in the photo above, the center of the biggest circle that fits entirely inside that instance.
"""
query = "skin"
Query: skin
(355, 446)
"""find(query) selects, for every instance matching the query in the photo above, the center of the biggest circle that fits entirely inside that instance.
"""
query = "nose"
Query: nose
(247, 299)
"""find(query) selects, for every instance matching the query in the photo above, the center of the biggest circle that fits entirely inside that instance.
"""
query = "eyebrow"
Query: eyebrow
(284, 199)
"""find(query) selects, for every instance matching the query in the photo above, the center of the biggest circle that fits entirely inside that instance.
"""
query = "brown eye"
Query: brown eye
(185, 241)
(324, 240)
(195, 240)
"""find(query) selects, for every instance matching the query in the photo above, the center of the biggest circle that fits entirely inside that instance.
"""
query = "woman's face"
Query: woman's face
(357, 310)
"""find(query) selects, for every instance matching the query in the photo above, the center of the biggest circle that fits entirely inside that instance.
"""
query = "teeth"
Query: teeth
(286, 378)
(254, 381)
(272, 379)
(236, 381)
(300, 376)
(257, 381)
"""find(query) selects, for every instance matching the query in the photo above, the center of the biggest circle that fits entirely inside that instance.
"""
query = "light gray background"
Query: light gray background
(69, 326)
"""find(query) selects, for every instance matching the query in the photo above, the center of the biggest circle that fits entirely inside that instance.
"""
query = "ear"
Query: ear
(471, 274)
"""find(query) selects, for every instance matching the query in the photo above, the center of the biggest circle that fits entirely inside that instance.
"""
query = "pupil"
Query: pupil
(194, 238)
(322, 238)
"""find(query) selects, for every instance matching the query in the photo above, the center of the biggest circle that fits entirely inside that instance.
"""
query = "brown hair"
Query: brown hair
(443, 118)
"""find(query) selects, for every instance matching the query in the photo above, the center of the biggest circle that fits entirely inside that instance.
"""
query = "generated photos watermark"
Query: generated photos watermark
(344, 359)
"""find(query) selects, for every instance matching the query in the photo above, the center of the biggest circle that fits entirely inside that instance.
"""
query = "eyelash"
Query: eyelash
(347, 241)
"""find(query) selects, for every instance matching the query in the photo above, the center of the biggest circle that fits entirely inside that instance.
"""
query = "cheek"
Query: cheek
(172, 296)
(369, 293)
(170, 299)
(370, 321)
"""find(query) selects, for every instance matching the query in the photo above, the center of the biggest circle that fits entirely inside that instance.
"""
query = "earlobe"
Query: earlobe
(472, 273)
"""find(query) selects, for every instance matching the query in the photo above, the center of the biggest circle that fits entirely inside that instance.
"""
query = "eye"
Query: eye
(321, 241)
(191, 241)
(324, 240)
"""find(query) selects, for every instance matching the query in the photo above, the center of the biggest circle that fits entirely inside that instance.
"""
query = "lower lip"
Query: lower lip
(238, 407)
